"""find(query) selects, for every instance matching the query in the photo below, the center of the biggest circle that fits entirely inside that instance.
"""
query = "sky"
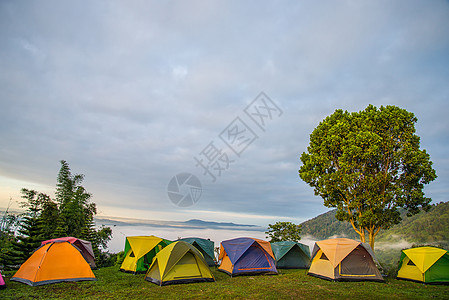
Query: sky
(141, 95)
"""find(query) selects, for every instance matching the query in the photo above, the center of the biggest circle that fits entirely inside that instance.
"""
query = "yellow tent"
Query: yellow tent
(343, 260)
(140, 251)
(54, 262)
(179, 262)
(424, 264)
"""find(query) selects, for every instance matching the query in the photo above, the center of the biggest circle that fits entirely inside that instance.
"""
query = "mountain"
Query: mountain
(197, 222)
(430, 227)
(190, 224)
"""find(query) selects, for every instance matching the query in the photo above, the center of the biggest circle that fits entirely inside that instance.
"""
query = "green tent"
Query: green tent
(206, 247)
(179, 262)
(291, 255)
(140, 251)
(424, 264)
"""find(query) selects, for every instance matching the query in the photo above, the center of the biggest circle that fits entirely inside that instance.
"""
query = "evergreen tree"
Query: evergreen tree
(73, 200)
(71, 214)
(8, 227)
(31, 231)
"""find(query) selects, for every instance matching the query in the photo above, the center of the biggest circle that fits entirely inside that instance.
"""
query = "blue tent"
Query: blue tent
(246, 256)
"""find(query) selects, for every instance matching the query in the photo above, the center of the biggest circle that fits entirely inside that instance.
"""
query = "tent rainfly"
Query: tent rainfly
(246, 256)
(344, 260)
(84, 246)
(179, 262)
(206, 247)
(140, 251)
(54, 262)
(291, 255)
(424, 264)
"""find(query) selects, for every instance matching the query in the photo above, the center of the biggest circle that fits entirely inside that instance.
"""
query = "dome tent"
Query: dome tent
(291, 255)
(246, 256)
(179, 262)
(424, 264)
(84, 246)
(206, 247)
(140, 251)
(344, 259)
(54, 262)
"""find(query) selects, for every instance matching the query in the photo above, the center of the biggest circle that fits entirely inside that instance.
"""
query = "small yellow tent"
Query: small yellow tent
(140, 251)
(179, 262)
(343, 260)
(54, 262)
(424, 264)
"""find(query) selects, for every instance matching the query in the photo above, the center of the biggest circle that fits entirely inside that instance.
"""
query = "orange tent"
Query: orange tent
(344, 260)
(84, 246)
(54, 262)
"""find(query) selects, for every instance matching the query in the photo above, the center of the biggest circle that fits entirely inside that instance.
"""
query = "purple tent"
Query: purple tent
(245, 256)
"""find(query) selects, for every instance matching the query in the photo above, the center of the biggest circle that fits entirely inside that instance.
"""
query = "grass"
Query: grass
(112, 284)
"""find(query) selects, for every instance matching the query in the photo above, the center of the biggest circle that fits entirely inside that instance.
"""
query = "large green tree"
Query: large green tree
(368, 164)
(283, 231)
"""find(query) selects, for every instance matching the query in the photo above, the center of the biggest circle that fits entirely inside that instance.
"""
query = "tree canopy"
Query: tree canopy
(368, 164)
(283, 231)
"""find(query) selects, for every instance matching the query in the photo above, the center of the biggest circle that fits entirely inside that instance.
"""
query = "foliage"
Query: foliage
(283, 231)
(120, 257)
(289, 284)
(70, 214)
(326, 225)
(9, 223)
(73, 200)
(430, 227)
(35, 225)
(368, 164)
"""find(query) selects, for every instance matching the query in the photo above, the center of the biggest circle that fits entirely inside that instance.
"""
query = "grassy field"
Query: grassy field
(112, 284)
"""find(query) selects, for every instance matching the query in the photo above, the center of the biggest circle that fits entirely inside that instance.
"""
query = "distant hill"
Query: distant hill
(190, 224)
(430, 227)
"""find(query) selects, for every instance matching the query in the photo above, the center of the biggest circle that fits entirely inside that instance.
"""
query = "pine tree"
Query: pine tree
(29, 238)
(89, 233)
(73, 200)
(60, 228)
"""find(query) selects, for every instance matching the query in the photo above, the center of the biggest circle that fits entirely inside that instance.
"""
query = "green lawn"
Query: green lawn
(112, 284)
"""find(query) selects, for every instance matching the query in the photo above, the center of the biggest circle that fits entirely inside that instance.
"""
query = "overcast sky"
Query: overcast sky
(131, 93)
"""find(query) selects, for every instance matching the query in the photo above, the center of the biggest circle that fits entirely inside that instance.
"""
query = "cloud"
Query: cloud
(129, 94)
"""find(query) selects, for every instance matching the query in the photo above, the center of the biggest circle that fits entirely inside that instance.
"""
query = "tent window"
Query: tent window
(410, 263)
(324, 257)
(131, 254)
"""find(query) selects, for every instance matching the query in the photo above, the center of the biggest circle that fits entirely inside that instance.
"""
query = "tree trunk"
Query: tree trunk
(362, 236)
(371, 240)
(372, 235)
(360, 232)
